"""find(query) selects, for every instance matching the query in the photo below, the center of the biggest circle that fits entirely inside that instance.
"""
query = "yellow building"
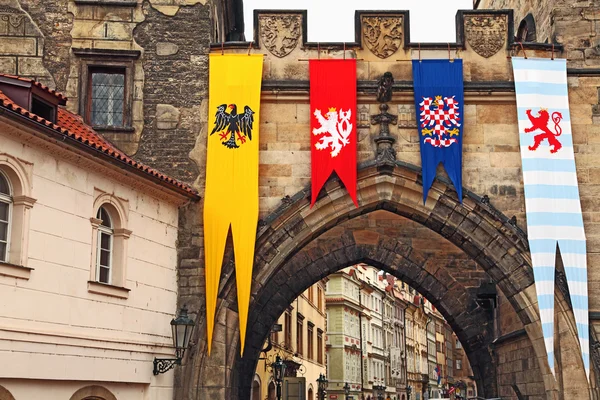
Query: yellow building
(301, 344)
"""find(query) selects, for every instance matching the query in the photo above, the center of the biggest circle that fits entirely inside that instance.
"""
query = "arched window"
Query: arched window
(108, 266)
(255, 390)
(311, 396)
(104, 253)
(5, 216)
(93, 393)
(15, 206)
(527, 31)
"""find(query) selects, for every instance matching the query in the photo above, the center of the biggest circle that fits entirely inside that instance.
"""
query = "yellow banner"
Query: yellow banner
(231, 194)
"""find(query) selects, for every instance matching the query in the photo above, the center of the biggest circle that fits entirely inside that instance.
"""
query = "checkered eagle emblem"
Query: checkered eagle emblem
(439, 120)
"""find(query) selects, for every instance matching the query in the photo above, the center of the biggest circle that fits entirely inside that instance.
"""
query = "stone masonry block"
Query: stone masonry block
(8, 65)
(167, 116)
(18, 46)
(32, 66)
(166, 49)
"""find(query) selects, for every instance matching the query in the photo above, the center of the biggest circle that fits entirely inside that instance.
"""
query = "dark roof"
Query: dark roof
(62, 98)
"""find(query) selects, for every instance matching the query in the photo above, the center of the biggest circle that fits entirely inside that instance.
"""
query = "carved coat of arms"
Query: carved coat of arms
(382, 35)
(280, 33)
(486, 34)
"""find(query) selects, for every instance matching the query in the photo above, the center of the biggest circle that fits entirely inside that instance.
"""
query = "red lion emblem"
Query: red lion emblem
(541, 122)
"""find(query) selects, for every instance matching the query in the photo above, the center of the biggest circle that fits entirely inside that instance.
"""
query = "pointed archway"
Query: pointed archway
(284, 267)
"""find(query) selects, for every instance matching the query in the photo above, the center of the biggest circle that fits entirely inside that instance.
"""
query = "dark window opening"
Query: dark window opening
(288, 330)
(43, 109)
(299, 342)
(527, 31)
(106, 94)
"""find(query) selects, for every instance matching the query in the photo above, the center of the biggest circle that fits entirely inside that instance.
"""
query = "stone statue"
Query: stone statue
(384, 89)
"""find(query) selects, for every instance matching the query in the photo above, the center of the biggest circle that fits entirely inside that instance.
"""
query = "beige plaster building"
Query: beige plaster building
(88, 278)
(301, 345)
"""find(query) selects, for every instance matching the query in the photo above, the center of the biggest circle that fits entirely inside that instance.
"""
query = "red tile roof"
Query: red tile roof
(72, 126)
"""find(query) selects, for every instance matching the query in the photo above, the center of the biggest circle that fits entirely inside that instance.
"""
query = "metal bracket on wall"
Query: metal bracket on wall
(162, 365)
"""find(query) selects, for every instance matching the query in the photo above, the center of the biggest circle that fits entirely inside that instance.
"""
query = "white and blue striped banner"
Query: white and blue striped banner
(551, 192)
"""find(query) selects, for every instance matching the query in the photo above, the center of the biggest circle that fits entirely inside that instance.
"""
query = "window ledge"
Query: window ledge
(114, 129)
(15, 271)
(108, 290)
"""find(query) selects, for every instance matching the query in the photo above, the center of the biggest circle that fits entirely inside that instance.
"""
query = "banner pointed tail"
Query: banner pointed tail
(552, 200)
(231, 194)
(439, 103)
(333, 124)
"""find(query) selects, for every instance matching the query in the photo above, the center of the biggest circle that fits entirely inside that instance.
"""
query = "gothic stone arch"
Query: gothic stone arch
(284, 268)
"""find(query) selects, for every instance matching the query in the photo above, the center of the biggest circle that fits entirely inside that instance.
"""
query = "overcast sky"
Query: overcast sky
(333, 20)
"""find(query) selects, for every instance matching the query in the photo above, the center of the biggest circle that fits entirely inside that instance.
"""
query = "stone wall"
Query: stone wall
(36, 38)
(541, 10)
(173, 95)
(518, 365)
(21, 44)
(574, 24)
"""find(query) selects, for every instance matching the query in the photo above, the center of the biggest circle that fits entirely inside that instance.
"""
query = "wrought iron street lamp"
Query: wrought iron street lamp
(322, 386)
(278, 373)
(182, 327)
(346, 390)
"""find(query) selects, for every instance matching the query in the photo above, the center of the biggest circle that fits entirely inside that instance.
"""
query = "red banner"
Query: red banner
(333, 123)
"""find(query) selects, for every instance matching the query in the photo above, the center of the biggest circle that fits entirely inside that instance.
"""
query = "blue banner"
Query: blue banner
(439, 103)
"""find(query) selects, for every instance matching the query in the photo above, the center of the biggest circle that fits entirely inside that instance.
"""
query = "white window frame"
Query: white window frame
(7, 199)
(118, 210)
(110, 233)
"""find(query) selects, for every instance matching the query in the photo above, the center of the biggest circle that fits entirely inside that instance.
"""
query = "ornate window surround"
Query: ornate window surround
(19, 174)
(118, 210)
(121, 60)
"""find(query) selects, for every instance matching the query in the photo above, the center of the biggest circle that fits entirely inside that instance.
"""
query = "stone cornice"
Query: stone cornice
(297, 91)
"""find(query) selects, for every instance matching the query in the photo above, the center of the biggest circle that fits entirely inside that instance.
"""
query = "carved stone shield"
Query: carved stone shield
(280, 33)
(486, 33)
(382, 35)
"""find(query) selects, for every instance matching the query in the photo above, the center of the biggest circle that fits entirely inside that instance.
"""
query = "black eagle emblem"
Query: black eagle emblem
(234, 124)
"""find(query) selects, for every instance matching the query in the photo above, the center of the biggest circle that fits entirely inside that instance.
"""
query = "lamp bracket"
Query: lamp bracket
(162, 365)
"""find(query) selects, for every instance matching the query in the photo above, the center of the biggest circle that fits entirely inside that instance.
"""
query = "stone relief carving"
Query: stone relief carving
(364, 119)
(486, 33)
(280, 33)
(14, 22)
(407, 117)
(382, 35)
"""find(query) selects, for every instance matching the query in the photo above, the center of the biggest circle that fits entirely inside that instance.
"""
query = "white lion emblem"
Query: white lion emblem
(338, 136)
